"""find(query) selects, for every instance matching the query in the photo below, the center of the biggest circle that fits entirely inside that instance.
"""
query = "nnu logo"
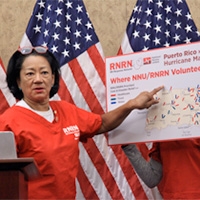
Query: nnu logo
(147, 60)
(72, 130)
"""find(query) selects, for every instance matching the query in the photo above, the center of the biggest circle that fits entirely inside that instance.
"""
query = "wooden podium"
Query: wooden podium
(14, 176)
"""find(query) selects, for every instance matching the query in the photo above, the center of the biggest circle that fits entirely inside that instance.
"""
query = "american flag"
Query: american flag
(65, 28)
(156, 24)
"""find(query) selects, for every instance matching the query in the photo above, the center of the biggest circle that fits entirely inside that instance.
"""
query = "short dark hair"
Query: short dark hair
(14, 68)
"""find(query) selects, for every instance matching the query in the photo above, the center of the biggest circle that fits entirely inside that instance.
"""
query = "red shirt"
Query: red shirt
(181, 168)
(54, 146)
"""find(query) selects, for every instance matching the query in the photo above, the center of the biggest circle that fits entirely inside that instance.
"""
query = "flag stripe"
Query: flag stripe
(115, 167)
(125, 46)
(4, 103)
(7, 99)
(79, 193)
(102, 169)
(92, 75)
(98, 61)
(64, 92)
(83, 180)
(84, 86)
(73, 89)
(96, 181)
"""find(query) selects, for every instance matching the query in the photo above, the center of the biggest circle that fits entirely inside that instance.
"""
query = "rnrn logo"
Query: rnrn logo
(121, 65)
(72, 130)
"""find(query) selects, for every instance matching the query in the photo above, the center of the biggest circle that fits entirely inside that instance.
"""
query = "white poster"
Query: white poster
(177, 116)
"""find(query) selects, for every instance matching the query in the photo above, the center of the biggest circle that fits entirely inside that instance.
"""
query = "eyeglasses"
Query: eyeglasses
(28, 50)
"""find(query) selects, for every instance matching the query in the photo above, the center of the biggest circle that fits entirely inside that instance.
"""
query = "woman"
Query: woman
(49, 131)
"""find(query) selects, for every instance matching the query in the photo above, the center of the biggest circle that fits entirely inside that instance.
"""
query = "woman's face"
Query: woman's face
(36, 79)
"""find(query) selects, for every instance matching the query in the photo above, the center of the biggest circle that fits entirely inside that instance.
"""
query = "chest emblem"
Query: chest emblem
(72, 130)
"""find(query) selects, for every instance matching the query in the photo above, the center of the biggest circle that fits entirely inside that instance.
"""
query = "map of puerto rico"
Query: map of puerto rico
(177, 107)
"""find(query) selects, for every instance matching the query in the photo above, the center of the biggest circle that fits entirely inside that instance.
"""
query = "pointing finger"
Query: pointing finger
(155, 90)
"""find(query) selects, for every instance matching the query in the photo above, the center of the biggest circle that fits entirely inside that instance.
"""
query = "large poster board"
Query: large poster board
(177, 116)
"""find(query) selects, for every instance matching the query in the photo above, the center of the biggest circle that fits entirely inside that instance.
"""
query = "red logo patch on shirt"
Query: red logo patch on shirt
(72, 130)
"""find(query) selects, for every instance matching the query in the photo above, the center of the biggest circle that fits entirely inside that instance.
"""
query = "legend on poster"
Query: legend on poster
(177, 115)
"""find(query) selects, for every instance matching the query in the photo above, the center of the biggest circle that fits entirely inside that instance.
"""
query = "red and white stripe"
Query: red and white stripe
(7, 99)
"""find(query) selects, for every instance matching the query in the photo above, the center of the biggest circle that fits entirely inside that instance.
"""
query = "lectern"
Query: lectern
(14, 172)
